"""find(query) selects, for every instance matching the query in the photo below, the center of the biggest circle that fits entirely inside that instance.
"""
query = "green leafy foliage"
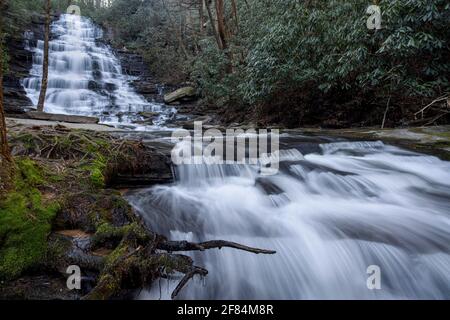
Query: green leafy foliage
(305, 50)
(146, 27)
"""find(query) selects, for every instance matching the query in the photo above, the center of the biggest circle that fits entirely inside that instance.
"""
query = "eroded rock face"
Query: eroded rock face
(15, 98)
(20, 63)
(145, 84)
(133, 64)
(151, 166)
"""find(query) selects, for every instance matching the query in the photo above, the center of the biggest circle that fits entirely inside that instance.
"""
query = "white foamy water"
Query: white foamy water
(85, 78)
(329, 216)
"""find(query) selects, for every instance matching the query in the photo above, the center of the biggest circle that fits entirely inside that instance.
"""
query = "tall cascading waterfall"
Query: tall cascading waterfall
(330, 214)
(85, 78)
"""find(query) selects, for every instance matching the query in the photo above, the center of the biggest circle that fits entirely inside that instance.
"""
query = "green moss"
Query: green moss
(445, 135)
(97, 169)
(31, 173)
(110, 236)
(25, 222)
(57, 249)
(114, 256)
(108, 231)
(27, 139)
(108, 285)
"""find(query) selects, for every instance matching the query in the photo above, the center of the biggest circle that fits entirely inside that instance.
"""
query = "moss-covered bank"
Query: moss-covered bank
(25, 221)
(60, 212)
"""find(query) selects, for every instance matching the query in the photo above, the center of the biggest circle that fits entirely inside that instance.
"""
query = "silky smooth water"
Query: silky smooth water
(85, 77)
(330, 215)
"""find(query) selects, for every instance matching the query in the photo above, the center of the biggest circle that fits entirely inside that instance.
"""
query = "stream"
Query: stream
(334, 209)
(330, 214)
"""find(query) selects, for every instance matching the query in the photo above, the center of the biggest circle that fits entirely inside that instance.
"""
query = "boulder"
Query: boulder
(94, 85)
(182, 93)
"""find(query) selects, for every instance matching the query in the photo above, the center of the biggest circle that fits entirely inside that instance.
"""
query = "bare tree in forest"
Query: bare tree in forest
(177, 30)
(201, 16)
(6, 163)
(224, 33)
(44, 83)
(221, 23)
(213, 24)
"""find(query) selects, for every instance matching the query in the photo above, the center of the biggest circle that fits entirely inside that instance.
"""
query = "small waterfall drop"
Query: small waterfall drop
(85, 78)
(330, 215)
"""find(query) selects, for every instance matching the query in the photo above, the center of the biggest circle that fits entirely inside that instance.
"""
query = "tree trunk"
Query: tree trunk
(220, 12)
(213, 26)
(6, 162)
(201, 13)
(44, 83)
(235, 14)
(224, 33)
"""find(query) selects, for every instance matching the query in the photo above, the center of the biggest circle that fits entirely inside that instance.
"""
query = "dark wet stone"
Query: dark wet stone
(110, 87)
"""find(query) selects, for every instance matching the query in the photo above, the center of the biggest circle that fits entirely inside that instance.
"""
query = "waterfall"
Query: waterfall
(85, 78)
(334, 209)
(330, 215)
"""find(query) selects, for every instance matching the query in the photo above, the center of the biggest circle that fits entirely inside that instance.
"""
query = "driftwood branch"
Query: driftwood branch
(176, 246)
(422, 111)
(386, 112)
(187, 277)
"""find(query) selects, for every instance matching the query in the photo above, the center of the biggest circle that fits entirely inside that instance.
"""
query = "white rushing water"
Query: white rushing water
(329, 214)
(344, 207)
(85, 78)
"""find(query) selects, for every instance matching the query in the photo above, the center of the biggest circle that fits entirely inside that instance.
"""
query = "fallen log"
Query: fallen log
(35, 115)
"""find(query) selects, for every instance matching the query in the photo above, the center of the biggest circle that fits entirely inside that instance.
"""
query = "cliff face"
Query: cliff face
(15, 98)
(20, 63)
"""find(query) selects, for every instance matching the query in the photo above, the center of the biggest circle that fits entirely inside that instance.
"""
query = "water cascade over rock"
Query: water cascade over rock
(330, 215)
(85, 78)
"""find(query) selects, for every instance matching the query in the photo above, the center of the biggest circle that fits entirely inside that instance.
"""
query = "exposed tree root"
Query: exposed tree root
(138, 261)
(188, 276)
